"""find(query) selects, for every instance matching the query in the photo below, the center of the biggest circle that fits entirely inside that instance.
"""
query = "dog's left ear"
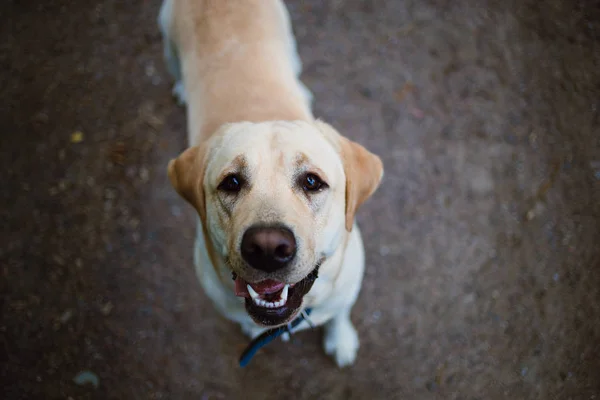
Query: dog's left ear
(363, 170)
(186, 174)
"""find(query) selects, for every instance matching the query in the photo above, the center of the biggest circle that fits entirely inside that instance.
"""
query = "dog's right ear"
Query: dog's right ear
(186, 174)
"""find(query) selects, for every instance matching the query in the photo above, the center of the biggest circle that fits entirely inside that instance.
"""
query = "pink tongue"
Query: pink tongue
(265, 287)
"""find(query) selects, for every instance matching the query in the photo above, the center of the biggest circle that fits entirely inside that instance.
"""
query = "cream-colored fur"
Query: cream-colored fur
(236, 69)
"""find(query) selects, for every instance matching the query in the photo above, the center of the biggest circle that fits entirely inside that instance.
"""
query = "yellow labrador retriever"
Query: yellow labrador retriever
(276, 191)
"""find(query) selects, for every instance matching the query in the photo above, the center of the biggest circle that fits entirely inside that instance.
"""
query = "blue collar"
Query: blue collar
(270, 335)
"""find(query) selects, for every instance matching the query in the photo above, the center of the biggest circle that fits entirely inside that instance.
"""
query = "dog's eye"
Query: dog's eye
(231, 184)
(312, 183)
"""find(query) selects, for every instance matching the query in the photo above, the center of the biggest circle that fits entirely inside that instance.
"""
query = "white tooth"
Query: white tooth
(252, 292)
(284, 293)
(279, 303)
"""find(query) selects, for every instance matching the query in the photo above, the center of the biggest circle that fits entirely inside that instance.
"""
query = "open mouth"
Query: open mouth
(272, 303)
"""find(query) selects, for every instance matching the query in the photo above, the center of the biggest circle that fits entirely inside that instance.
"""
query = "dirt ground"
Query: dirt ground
(483, 243)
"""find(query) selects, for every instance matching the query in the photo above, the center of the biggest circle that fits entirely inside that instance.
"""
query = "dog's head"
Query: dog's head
(275, 199)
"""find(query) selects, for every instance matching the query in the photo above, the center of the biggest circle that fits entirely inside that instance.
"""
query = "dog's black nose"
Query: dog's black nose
(268, 248)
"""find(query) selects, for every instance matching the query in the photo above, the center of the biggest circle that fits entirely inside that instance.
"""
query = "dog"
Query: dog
(276, 190)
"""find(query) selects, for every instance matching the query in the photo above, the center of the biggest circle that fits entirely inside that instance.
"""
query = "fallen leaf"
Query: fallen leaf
(402, 93)
(117, 153)
(76, 137)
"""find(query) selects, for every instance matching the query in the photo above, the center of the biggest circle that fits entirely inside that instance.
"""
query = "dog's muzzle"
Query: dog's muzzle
(273, 303)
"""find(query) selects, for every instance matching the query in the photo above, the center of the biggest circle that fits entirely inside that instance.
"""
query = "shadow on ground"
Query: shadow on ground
(483, 242)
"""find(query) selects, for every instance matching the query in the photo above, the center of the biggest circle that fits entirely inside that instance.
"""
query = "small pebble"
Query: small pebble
(110, 193)
(530, 215)
(144, 174)
(131, 172)
(150, 70)
(106, 308)
(66, 316)
(469, 298)
(175, 211)
(417, 113)
(136, 237)
(481, 180)
(376, 315)
(86, 377)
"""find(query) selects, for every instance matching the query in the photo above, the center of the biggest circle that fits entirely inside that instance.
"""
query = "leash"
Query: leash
(270, 335)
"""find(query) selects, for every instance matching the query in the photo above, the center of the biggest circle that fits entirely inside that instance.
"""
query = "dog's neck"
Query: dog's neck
(253, 81)
(223, 98)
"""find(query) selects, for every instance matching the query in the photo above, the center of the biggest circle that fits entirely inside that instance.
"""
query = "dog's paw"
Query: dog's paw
(341, 342)
(179, 92)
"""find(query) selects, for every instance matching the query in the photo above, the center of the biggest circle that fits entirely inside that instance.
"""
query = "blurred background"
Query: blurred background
(483, 242)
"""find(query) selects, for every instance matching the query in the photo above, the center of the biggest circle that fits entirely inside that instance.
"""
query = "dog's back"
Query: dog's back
(239, 61)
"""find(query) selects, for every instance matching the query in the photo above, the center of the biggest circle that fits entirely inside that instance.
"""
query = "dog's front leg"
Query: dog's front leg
(341, 340)
(170, 52)
(251, 330)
